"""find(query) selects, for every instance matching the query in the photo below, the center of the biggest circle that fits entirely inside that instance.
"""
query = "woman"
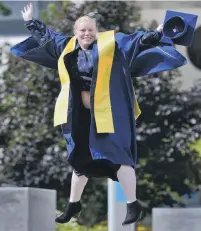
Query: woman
(96, 107)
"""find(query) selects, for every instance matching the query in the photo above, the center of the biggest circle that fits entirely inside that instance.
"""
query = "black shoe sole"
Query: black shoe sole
(140, 217)
(76, 216)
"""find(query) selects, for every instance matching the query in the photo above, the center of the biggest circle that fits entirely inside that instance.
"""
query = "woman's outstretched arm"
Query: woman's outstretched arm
(143, 54)
(44, 46)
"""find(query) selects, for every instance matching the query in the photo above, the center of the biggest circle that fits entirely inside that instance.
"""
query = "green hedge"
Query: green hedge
(74, 226)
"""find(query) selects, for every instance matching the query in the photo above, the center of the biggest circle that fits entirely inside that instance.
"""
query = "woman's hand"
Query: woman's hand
(160, 28)
(27, 14)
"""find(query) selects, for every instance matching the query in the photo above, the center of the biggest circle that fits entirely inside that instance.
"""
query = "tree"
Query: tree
(34, 153)
(168, 167)
(5, 11)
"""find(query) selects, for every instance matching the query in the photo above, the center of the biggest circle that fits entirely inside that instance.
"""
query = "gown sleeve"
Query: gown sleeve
(132, 44)
(144, 54)
(150, 38)
(43, 47)
(129, 45)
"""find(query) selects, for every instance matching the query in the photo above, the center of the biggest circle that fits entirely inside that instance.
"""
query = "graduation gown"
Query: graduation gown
(101, 139)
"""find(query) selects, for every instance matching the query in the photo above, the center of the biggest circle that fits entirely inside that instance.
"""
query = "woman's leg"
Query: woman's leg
(127, 178)
(73, 207)
(77, 187)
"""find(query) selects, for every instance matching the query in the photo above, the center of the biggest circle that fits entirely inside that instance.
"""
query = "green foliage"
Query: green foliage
(33, 152)
(122, 16)
(73, 226)
(5, 11)
(170, 121)
(196, 146)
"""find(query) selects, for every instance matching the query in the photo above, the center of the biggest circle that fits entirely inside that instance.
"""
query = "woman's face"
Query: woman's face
(86, 32)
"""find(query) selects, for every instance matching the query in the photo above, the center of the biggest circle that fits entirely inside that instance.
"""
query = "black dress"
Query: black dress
(80, 68)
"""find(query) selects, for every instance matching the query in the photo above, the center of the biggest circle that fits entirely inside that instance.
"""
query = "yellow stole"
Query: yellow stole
(102, 104)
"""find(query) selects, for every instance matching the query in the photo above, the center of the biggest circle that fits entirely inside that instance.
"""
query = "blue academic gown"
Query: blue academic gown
(89, 152)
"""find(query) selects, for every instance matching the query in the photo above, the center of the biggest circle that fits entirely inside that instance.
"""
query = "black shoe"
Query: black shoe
(72, 210)
(134, 213)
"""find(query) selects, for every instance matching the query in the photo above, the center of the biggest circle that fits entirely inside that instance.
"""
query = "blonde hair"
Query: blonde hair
(82, 19)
